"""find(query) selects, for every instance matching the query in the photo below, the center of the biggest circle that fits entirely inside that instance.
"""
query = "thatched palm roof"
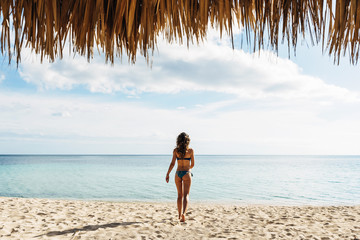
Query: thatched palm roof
(120, 27)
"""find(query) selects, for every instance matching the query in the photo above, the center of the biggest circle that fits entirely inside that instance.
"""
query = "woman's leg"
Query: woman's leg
(187, 184)
(179, 188)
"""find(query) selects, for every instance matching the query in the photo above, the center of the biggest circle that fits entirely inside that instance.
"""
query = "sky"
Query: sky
(230, 101)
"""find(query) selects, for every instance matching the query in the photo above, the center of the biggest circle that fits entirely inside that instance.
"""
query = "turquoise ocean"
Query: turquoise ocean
(274, 180)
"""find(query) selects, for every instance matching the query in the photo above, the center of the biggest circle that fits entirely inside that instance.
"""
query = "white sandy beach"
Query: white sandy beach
(23, 218)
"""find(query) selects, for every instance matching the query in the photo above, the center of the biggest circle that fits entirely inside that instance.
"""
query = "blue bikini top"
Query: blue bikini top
(183, 158)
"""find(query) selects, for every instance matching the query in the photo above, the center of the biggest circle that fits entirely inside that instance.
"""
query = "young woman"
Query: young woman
(185, 159)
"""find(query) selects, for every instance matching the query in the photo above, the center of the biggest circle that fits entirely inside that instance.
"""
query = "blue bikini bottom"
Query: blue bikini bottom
(182, 173)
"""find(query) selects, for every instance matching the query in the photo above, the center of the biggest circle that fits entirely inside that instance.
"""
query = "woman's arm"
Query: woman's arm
(172, 164)
(192, 159)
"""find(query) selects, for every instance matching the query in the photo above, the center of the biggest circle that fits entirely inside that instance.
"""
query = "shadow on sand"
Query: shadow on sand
(86, 228)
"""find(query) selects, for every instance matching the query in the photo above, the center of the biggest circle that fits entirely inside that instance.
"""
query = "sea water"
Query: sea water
(284, 180)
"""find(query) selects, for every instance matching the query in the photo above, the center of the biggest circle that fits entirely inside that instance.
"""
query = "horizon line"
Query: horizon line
(161, 154)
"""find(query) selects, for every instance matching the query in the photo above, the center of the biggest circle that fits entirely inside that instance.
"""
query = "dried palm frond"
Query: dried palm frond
(119, 27)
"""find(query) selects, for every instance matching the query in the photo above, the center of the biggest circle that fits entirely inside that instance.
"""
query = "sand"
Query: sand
(23, 218)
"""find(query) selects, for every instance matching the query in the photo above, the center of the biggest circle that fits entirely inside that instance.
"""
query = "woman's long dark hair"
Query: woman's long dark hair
(182, 143)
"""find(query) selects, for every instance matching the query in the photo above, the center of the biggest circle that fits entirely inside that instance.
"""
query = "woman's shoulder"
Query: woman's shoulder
(191, 151)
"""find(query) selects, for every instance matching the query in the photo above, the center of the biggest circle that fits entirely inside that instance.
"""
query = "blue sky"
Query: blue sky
(229, 101)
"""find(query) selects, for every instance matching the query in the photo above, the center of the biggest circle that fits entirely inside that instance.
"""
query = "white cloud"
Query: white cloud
(271, 106)
(61, 114)
(87, 125)
(2, 77)
(213, 66)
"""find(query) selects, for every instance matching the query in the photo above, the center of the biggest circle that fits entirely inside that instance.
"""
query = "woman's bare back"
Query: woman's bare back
(184, 162)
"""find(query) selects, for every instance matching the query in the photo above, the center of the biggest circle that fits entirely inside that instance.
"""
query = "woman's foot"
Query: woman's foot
(182, 218)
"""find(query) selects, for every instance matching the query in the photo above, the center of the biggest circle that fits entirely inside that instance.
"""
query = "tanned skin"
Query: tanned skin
(182, 185)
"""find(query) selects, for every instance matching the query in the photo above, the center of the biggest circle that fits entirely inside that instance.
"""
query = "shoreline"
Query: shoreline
(35, 218)
(270, 203)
